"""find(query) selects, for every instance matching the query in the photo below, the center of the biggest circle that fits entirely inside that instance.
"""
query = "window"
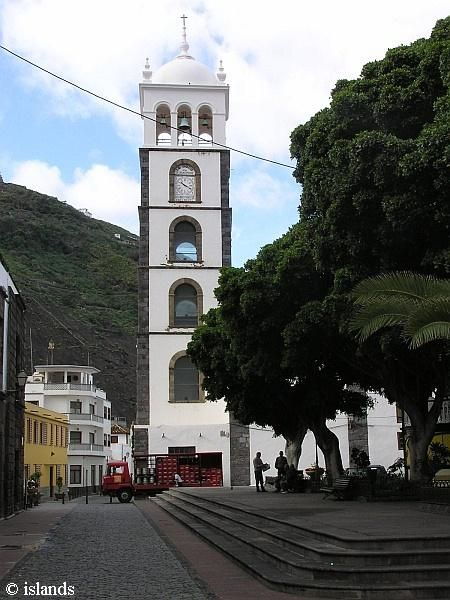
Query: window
(29, 431)
(75, 437)
(185, 240)
(184, 181)
(91, 438)
(185, 306)
(184, 380)
(163, 120)
(35, 432)
(181, 449)
(114, 439)
(51, 435)
(75, 474)
(92, 409)
(184, 125)
(185, 303)
(43, 433)
(205, 126)
(75, 407)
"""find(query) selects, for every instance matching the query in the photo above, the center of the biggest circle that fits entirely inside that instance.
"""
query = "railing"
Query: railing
(78, 387)
(85, 447)
(76, 416)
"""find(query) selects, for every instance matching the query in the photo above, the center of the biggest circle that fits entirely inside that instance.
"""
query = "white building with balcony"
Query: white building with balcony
(70, 389)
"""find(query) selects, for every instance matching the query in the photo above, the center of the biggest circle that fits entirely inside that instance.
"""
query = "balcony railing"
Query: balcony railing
(78, 387)
(85, 447)
(76, 416)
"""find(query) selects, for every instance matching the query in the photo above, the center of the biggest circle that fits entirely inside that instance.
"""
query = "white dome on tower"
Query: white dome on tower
(185, 69)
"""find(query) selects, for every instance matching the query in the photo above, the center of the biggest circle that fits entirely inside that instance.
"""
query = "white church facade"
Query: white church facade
(185, 238)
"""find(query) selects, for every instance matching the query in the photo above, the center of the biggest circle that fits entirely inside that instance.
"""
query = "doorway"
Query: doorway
(51, 482)
(93, 473)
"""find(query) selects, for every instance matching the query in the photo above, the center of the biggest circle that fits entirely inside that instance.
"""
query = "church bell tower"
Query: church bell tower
(185, 238)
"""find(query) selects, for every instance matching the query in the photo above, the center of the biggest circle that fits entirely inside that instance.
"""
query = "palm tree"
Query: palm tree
(419, 304)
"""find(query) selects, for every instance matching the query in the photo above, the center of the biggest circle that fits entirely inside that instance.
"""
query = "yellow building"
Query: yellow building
(45, 448)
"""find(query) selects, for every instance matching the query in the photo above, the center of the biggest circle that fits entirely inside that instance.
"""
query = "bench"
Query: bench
(341, 488)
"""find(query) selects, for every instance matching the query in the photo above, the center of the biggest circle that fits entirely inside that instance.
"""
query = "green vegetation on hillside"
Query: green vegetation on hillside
(79, 283)
(66, 257)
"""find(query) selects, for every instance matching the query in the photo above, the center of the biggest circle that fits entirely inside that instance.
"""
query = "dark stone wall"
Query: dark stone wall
(239, 434)
(239, 452)
(12, 408)
(142, 367)
(358, 435)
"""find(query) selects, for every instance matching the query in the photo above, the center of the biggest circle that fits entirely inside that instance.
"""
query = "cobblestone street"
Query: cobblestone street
(104, 551)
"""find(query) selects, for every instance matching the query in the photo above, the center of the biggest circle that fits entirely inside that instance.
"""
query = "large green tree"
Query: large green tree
(272, 348)
(374, 170)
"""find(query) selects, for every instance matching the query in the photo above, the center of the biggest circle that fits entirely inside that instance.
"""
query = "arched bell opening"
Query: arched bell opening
(184, 125)
(163, 131)
(205, 126)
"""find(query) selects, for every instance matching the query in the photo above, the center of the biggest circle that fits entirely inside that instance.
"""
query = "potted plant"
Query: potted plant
(314, 472)
(59, 484)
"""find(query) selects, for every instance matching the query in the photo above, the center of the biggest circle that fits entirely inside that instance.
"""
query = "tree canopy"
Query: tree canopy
(374, 165)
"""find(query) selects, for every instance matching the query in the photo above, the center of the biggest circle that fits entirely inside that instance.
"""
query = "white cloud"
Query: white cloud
(259, 189)
(282, 60)
(108, 194)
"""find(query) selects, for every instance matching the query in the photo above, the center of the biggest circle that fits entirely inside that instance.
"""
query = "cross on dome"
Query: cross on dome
(184, 46)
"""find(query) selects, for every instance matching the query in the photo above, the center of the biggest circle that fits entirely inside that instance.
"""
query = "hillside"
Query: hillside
(79, 282)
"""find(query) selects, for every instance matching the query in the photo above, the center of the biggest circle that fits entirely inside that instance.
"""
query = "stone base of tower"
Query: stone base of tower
(239, 453)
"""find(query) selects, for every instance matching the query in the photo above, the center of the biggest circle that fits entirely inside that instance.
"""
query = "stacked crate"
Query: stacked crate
(166, 467)
(189, 474)
(211, 477)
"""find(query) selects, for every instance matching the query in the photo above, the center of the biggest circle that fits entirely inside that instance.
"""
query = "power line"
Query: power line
(134, 112)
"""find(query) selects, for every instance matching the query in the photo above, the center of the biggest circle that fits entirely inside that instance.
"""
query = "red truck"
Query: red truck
(155, 473)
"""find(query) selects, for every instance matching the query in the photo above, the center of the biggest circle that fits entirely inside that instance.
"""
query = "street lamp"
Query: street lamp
(22, 379)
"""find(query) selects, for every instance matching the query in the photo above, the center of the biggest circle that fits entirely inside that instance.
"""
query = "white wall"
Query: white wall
(383, 428)
(382, 435)
(160, 281)
(160, 163)
(192, 95)
(189, 435)
(210, 222)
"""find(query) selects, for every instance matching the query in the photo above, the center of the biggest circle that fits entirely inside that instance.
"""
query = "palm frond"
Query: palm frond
(401, 284)
(430, 322)
(375, 316)
(431, 332)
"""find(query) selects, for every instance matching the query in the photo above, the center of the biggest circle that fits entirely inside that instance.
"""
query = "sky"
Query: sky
(282, 61)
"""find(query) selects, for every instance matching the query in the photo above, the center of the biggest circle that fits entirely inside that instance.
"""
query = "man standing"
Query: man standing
(281, 464)
(258, 468)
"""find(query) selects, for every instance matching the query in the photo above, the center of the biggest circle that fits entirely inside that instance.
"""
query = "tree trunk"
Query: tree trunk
(419, 436)
(294, 443)
(329, 444)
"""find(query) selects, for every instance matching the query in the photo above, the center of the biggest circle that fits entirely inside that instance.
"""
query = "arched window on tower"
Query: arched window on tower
(184, 125)
(184, 380)
(205, 126)
(185, 303)
(186, 310)
(185, 240)
(163, 131)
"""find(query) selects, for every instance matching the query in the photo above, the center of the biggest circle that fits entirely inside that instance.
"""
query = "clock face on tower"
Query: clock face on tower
(184, 184)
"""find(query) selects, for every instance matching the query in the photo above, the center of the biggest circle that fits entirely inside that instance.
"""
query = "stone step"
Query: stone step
(317, 549)
(290, 582)
(293, 561)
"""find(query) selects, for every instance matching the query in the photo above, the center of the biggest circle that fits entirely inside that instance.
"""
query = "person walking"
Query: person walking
(258, 468)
